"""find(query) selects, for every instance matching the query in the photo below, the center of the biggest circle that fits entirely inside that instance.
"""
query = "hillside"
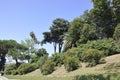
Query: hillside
(61, 72)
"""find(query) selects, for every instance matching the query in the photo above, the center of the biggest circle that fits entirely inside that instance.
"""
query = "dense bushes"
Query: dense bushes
(92, 56)
(108, 46)
(10, 69)
(112, 76)
(41, 61)
(71, 63)
(25, 68)
(57, 59)
(48, 67)
(91, 77)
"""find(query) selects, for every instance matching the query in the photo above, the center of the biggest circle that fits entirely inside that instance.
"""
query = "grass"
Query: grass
(25, 77)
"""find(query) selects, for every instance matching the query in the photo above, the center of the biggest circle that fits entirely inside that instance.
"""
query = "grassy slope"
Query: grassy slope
(61, 74)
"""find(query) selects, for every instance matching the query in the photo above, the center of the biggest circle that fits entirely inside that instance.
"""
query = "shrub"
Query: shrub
(90, 77)
(108, 46)
(57, 59)
(92, 56)
(74, 52)
(48, 67)
(9, 68)
(41, 61)
(25, 68)
(71, 63)
(14, 72)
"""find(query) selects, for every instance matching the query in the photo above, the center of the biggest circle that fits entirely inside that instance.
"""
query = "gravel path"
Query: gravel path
(3, 78)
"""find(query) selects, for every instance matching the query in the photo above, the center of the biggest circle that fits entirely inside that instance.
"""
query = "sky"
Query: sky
(19, 17)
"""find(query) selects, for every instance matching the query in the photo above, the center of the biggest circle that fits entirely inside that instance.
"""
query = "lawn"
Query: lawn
(25, 77)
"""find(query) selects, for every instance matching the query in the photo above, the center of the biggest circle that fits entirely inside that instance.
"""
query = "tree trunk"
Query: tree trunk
(60, 47)
(16, 62)
(54, 44)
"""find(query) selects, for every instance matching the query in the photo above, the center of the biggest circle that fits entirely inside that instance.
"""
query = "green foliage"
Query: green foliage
(10, 68)
(25, 68)
(88, 32)
(92, 56)
(104, 22)
(41, 61)
(57, 30)
(41, 52)
(107, 46)
(74, 32)
(5, 45)
(71, 63)
(79, 32)
(48, 67)
(116, 35)
(57, 59)
(29, 43)
(14, 72)
(73, 52)
(91, 77)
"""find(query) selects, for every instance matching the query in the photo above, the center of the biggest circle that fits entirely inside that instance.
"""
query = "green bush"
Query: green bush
(108, 46)
(71, 63)
(14, 72)
(110, 76)
(48, 67)
(25, 68)
(73, 52)
(92, 56)
(91, 77)
(57, 59)
(41, 61)
(9, 68)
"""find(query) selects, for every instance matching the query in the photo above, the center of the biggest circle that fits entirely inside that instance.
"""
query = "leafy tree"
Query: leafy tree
(16, 52)
(41, 52)
(116, 11)
(105, 15)
(88, 32)
(56, 34)
(81, 30)
(34, 38)
(5, 46)
(29, 43)
(73, 34)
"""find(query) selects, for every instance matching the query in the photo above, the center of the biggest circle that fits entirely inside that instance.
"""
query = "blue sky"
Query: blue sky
(19, 17)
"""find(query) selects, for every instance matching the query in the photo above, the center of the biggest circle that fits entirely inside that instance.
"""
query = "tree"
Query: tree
(41, 52)
(73, 34)
(29, 43)
(88, 33)
(34, 38)
(5, 46)
(105, 23)
(56, 34)
(116, 35)
(116, 11)
(16, 52)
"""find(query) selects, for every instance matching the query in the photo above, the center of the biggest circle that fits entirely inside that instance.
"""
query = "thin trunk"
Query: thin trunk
(16, 62)
(60, 47)
(54, 44)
